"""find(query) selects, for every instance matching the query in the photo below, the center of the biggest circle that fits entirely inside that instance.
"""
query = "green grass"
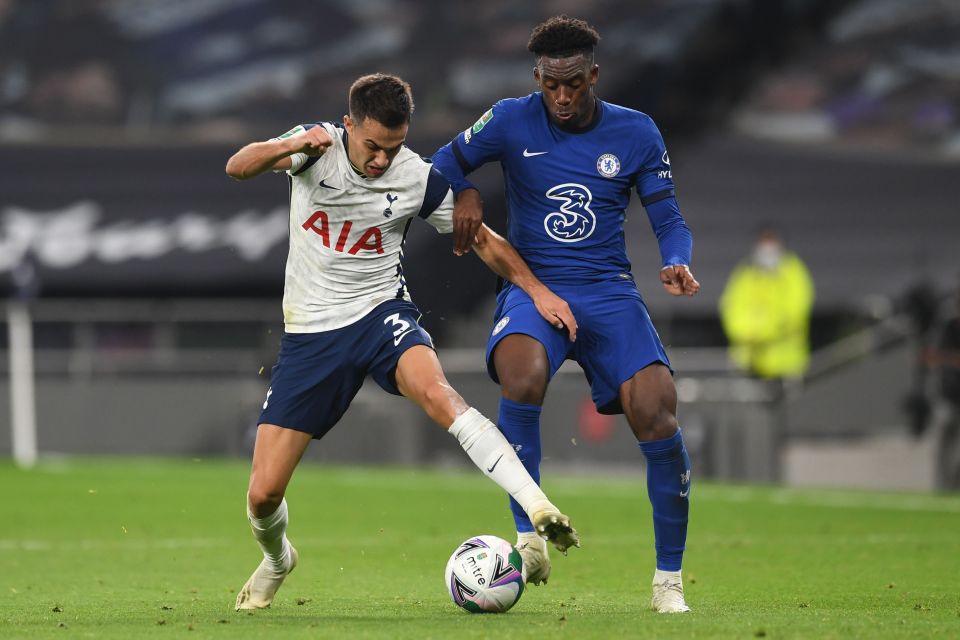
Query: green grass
(142, 548)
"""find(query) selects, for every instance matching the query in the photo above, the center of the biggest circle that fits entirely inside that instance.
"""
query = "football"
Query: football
(484, 575)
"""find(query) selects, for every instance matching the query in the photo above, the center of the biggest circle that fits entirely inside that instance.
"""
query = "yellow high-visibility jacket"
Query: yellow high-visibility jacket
(766, 316)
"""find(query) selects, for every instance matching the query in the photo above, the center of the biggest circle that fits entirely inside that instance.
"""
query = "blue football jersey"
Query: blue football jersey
(567, 191)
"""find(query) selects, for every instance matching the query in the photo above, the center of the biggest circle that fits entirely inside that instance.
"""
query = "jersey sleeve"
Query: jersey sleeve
(654, 180)
(654, 183)
(437, 207)
(473, 147)
(673, 235)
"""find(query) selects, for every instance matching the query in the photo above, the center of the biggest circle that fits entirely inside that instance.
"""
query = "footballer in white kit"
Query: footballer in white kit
(344, 278)
(347, 232)
(354, 190)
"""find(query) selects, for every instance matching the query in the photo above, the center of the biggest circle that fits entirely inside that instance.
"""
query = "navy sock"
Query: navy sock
(520, 425)
(668, 486)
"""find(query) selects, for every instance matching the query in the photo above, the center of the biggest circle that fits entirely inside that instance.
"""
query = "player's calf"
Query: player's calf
(491, 452)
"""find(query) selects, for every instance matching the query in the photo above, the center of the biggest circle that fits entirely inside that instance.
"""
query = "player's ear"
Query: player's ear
(536, 73)
(594, 73)
(348, 124)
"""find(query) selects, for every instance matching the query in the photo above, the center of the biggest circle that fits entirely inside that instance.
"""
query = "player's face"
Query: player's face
(372, 146)
(567, 87)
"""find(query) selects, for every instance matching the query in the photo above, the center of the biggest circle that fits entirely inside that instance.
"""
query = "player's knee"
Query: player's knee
(263, 500)
(441, 402)
(522, 368)
(528, 388)
(651, 421)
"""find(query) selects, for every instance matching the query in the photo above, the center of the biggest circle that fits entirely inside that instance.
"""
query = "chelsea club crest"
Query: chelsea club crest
(608, 165)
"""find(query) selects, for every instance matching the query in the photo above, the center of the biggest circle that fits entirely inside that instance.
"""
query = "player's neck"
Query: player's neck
(346, 147)
(356, 170)
(592, 113)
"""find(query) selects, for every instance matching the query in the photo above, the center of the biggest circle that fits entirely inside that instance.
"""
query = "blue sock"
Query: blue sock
(668, 485)
(520, 425)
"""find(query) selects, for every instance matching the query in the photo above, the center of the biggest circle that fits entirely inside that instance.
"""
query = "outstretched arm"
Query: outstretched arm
(504, 260)
(676, 244)
(260, 157)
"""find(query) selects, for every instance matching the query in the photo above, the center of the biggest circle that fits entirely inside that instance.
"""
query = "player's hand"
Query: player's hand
(313, 141)
(556, 311)
(678, 281)
(467, 218)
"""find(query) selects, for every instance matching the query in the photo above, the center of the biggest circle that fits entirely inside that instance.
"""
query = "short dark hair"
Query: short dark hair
(385, 98)
(561, 37)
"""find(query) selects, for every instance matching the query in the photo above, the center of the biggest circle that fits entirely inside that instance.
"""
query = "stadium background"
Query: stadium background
(153, 281)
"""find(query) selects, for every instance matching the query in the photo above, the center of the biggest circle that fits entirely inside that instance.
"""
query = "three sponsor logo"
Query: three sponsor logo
(575, 221)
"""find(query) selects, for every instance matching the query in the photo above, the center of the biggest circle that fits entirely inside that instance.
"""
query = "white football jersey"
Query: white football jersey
(347, 232)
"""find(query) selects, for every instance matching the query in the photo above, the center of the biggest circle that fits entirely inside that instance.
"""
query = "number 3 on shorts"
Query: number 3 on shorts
(402, 327)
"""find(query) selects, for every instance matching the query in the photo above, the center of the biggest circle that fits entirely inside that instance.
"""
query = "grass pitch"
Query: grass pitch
(142, 548)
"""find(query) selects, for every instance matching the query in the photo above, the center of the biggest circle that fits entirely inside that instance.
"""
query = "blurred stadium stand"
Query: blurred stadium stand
(158, 279)
(885, 80)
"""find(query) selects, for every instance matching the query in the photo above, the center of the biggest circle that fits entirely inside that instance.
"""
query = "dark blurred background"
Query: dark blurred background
(835, 120)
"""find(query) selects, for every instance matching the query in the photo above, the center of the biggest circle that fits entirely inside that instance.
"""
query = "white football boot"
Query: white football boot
(536, 560)
(555, 527)
(259, 590)
(668, 593)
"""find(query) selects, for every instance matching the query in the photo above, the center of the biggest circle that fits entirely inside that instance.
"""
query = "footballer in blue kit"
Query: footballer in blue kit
(570, 162)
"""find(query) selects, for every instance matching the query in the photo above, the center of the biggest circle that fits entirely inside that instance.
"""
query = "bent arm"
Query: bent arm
(503, 259)
(453, 166)
(468, 212)
(260, 157)
(274, 155)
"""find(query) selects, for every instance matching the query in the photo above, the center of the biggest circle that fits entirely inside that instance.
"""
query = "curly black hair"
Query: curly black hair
(385, 98)
(562, 36)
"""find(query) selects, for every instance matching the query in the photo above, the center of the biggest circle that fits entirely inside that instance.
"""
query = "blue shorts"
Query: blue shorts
(317, 375)
(615, 336)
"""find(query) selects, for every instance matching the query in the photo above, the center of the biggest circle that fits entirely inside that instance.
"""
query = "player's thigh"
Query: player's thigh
(420, 378)
(395, 329)
(524, 350)
(406, 363)
(523, 368)
(616, 340)
(316, 377)
(275, 455)
(649, 400)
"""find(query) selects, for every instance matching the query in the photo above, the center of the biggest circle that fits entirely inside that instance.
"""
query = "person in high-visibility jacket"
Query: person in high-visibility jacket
(765, 310)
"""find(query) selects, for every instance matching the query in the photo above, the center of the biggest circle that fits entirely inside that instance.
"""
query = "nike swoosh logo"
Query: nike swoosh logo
(490, 470)
(684, 494)
(530, 154)
(324, 184)
(396, 341)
